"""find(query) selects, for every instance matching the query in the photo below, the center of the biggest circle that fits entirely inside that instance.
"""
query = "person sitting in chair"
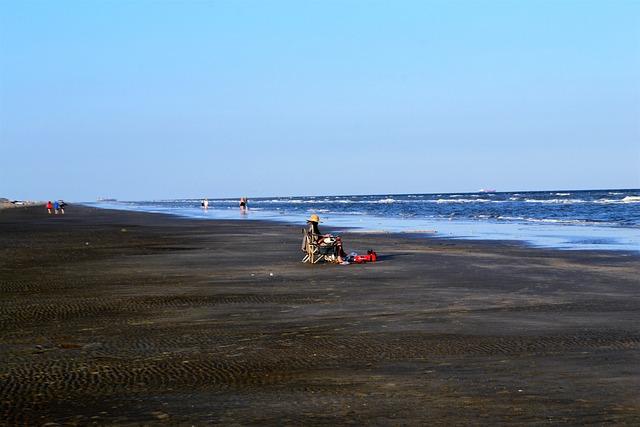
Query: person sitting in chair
(326, 240)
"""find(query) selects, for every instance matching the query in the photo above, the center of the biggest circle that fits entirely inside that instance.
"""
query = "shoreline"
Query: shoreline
(430, 234)
(24, 204)
(134, 318)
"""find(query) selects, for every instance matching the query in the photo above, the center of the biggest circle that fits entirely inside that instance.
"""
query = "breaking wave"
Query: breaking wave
(606, 207)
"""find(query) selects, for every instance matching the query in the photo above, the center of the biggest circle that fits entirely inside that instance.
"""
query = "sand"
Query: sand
(124, 318)
(6, 204)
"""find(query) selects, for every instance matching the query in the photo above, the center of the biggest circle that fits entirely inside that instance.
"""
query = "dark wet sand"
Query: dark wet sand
(113, 317)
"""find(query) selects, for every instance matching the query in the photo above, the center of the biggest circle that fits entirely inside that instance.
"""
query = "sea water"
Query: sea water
(594, 219)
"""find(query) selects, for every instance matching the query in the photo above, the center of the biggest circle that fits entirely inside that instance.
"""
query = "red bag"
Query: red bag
(371, 256)
(361, 259)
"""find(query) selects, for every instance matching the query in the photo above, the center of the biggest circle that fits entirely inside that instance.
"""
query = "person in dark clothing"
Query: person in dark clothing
(325, 239)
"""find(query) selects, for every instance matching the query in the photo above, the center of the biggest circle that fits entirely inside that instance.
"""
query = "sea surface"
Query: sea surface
(583, 220)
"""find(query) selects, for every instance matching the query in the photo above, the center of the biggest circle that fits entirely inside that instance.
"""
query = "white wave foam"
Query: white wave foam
(628, 199)
(329, 201)
(553, 220)
(562, 194)
(462, 200)
(555, 201)
(301, 201)
(556, 221)
(511, 218)
(571, 221)
(356, 213)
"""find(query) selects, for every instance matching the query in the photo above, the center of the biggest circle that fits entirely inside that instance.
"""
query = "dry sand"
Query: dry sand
(126, 318)
(6, 204)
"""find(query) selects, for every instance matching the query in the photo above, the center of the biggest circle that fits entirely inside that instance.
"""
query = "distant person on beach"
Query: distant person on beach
(62, 206)
(49, 206)
(244, 203)
(56, 207)
(325, 239)
(205, 204)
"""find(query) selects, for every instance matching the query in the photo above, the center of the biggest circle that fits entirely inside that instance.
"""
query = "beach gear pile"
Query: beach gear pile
(354, 258)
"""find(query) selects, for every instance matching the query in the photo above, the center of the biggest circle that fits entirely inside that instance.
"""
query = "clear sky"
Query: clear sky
(170, 99)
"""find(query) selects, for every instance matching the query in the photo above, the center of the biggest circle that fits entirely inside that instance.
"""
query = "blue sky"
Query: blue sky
(167, 99)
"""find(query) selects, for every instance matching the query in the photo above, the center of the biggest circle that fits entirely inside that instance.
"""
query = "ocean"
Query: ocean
(582, 220)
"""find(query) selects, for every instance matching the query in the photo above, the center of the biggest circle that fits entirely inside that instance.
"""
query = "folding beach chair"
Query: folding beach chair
(315, 252)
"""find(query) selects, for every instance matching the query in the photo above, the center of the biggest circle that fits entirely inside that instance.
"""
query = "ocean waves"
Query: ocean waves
(475, 215)
(594, 208)
(411, 199)
(389, 201)
(620, 208)
(460, 201)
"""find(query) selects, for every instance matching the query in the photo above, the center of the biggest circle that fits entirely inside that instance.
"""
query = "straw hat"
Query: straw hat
(314, 218)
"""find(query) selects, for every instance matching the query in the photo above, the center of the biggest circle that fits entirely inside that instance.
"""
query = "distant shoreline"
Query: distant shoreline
(22, 204)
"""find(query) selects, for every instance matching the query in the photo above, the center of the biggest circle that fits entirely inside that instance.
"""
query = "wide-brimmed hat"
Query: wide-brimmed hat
(314, 218)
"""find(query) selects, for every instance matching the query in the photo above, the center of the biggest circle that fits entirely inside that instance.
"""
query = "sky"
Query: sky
(139, 100)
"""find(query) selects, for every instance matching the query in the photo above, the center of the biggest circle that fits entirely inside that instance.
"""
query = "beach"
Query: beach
(6, 204)
(116, 317)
